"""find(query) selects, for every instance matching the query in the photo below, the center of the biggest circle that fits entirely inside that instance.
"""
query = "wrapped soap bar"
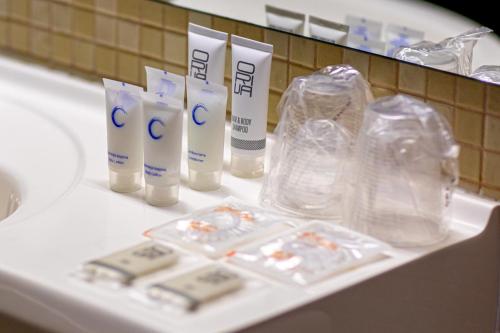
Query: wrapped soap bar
(190, 290)
(122, 267)
(217, 229)
(309, 254)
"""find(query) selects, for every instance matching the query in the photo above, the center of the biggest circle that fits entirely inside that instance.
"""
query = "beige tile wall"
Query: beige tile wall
(117, 38)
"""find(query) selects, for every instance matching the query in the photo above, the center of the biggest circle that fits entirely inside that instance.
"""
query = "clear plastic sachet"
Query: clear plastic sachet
(452, 54)
(217, 229)
(320, 117)
(310, 254)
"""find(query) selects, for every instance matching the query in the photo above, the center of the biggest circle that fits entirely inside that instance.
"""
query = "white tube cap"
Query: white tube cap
(162, 195)
(124, 182)
(247, 166)
(204, 181)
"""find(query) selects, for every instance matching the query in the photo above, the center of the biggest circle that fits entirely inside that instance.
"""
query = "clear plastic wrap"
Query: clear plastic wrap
(487, 73)
(217, 229)
(320, 116)
(405, 170)
(453, 54)
(309, 254)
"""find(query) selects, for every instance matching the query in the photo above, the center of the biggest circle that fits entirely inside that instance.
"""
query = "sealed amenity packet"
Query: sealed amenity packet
(309, 254)
(189, 290)
(122, 267)
(215, 230)
(165, 84)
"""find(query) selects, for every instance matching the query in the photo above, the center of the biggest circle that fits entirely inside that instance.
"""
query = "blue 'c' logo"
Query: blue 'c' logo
(152, 134)
(113, 115)
(193, 114)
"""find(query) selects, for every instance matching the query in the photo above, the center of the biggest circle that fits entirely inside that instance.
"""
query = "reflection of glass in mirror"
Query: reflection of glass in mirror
(285, 20)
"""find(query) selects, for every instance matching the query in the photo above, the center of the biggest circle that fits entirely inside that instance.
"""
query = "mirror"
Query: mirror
(380, 26)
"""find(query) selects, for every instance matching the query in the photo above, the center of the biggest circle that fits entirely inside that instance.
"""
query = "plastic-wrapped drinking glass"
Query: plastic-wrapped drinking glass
(453, 54)
(487, 73)
(320, 117)
(405, 171)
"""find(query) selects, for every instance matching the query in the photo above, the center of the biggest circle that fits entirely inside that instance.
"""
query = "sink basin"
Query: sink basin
(9, 196)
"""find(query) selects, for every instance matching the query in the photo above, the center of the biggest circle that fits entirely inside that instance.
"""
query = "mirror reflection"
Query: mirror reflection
(413, 31)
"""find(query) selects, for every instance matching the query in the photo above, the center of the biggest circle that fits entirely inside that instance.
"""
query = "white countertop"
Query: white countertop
(53, 143)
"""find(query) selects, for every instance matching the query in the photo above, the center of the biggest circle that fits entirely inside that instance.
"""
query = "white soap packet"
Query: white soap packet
(163, 83)
(397, 36)
(328, 31)
(121, 268)
(365, 44)
(285, 20)
(215, 230)
(309, 254)
(365, 28)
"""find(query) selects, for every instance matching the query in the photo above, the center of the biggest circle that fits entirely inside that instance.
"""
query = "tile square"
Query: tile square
(19, 37)
(83, 55)
(382, 92)
(151, 42)
(272, 115)
(250, 31)
(469, 162)
(88, 4)
(302, 51)
(106, 6)
(441, 86)
(105, 61)
(83, 23)
(200, 19)
(61, 49)
(470, 94)
(175, 48)
(152, 13)
(445, 110)
(60, 17)
(469, 186)
(151, 63)
(279, 40)
(105, 29)
(294, 71)
(175, 19)
(491, 169)
(490, 193)
(128, 36)
(358, 60)
(19, 9)
(224, 25)
(492, 133)
(469, 127)
(128, 9)
(39, 43)
(412, 79)
(40, 13)
(128, 67)
(383, 72)
(3, 33)
(175, 68)
(493, 99)
(3, 8)
(327, 54)
(279, 75)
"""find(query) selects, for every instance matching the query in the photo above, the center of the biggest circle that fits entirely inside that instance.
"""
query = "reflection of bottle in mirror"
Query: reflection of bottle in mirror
(405, 170)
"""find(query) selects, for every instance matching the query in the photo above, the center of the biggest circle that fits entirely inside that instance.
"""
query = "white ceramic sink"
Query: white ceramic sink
(9, 196)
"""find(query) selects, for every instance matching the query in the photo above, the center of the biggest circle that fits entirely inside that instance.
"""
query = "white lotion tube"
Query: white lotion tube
(164, 83)
(162, 148)
(251, 69)
(206, 53)
(285, 20)
(207, 103)
(124, 127)
(328, 31)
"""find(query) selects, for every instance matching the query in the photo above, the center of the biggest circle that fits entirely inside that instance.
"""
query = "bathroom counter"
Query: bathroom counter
(53, 145)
